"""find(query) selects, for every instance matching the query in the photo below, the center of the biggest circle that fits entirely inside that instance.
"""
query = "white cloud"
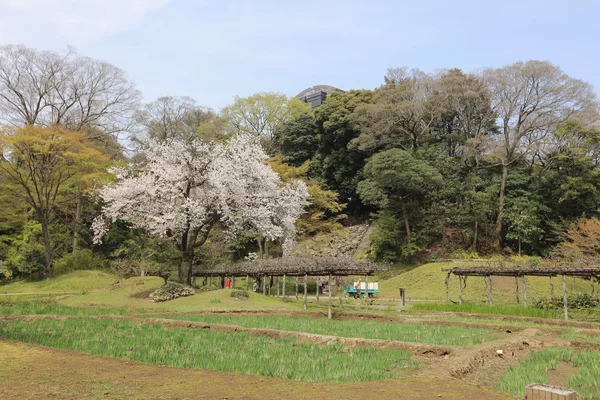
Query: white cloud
(50, 22)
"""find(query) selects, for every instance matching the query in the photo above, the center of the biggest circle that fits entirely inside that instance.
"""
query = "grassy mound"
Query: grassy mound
(427, 283)
(73, 281)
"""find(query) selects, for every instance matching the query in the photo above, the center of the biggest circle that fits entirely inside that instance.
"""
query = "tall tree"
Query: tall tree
(335, 163)
(78, 93)
(185, 188)
(395, 180)
(38, 165)
(297, 140)
(530, 99)
(262, 114)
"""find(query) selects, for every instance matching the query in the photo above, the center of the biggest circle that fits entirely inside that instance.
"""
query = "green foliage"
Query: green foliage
(170, 291)
(578, 301)
(324, 213)
(297, 140)
(338, 166)
(25, 253)
(78, 260)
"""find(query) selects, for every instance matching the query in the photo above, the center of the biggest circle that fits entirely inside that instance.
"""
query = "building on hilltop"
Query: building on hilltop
(316, 95)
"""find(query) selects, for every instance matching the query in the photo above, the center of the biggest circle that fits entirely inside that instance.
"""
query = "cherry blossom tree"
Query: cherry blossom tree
(184, 188)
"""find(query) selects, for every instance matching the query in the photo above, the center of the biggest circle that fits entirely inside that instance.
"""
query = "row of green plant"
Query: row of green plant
(49, 308)
(406, 332)
(586, 381)
(482, 308)
(219, 351)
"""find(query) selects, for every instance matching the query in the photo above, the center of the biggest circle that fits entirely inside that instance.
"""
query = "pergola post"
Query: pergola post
(491, 292)
(551, 288)
(366, 292)
(318, 286)
(460, 289)
(296, 287)
(592, 285)
(277, 283)
(264, 285)
(284, 298)
(517, 285)
(305, 289)
(247, 280)
(329, 310)
(447, 288)
(524, 291)
(565, 302)
(341, 290)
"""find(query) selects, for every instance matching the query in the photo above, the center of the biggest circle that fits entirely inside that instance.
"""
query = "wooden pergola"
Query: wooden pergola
(487, 270)
(313, 267)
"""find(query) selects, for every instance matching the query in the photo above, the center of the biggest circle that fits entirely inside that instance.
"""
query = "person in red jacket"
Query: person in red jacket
(227, 283)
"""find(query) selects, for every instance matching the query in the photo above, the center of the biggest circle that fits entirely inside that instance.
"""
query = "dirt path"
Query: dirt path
(36, 372)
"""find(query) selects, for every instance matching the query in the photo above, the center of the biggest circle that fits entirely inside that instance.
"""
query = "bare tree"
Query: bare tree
(173, 117)
(399, 115)
(78, 93)
(530, 99)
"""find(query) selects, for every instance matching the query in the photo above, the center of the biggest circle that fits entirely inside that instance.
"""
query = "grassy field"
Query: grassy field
(586, 381)
(407, 332)
(233, 352)
(427, 282)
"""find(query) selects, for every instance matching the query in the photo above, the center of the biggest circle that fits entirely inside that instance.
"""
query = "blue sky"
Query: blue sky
(214, 50)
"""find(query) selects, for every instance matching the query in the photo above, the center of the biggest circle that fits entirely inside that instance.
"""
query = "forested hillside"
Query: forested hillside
(447, 164)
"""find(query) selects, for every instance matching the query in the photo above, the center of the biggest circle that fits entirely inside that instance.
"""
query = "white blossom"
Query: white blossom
(184, 186)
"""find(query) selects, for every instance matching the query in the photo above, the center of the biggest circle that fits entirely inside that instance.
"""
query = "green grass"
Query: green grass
(204, 349)
(485, 321)
(580, 337)
(586, 381)
(427, 282)
(478, 308)
(533, 370)
(73, 281)
(38, 308)
(406, 332)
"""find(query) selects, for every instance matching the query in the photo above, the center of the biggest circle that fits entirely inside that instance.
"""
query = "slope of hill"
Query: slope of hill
(427, 282)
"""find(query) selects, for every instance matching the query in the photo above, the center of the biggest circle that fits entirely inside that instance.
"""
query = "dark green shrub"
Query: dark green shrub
(170, 291)
(79, 259)
(579, 301)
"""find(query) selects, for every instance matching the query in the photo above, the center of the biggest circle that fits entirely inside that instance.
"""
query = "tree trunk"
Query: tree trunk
(519, 247)
(406, 224)
(261, 252)
(49, 268)
(77, 222)
(498, 229)
(188, 242)
(475, 236)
